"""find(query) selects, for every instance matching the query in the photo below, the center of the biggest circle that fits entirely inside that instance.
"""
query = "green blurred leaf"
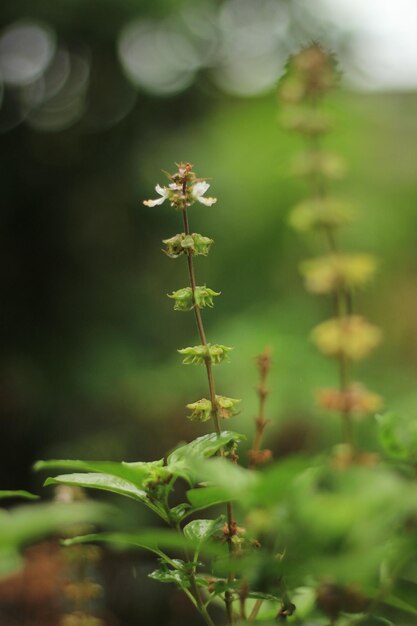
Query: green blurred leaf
(182, 460)
(204, 497)
(135, 473)
(397, 436)
(20, 493)
(175, 576)
(152, 540)
(25, 525)
(398, 603)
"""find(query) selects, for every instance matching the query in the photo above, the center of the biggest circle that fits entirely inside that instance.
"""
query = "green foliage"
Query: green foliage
(398, 437)
(323, 213)
(19, 493)
(145, 482)
(27, 524)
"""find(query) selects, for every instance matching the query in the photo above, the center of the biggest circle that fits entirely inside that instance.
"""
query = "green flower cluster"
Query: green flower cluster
(197, 355)
(202, 409)
(185, 301)
(182, 244)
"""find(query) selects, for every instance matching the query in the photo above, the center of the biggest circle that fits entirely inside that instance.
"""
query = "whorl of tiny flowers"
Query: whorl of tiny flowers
(351, 336)
(184, 300)
(331, 272)
(355, 400)
(202, 409)
(181, 244)
(197, 355)
(183, 190)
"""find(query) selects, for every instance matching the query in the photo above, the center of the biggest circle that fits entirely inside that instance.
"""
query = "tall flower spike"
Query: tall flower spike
(310, 75)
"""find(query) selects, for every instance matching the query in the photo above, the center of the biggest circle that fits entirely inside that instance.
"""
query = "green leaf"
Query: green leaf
(175, 576)
(179, 512)
(25, 525)
(275, 482)
(104, 482)
(200, 530)
(205, 497)
(225, 481)
(205, 446)
(181, 462)
(152, 540)
(135, 473)
(20, 493)
(397, 436)
(399, 603)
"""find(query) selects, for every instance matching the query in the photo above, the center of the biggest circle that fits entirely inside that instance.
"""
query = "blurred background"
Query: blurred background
(96, 98)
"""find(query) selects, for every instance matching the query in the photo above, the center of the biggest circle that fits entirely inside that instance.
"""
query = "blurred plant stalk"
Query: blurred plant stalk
(346, 337)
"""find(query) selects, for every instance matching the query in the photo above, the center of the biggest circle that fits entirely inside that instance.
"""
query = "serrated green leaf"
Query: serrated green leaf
(19, 493)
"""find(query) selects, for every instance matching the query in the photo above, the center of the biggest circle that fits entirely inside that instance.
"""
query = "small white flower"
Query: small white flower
(198, 190)
(163, 192)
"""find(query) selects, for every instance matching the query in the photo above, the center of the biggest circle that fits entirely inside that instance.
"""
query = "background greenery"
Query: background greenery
(89, 366)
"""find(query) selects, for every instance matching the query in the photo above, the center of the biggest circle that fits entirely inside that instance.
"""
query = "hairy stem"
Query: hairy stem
(213, 399)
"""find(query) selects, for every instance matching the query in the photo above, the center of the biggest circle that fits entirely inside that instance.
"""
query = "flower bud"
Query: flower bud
(204, 297)
(226, 407)
(351, 336)
(201, 410)
(183, 299)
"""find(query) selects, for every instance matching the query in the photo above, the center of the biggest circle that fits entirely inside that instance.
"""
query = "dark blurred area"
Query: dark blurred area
(96, 98)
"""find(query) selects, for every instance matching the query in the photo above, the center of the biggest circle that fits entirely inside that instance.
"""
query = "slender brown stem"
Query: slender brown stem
(264, 365)
(255, 610)
(212, 390)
